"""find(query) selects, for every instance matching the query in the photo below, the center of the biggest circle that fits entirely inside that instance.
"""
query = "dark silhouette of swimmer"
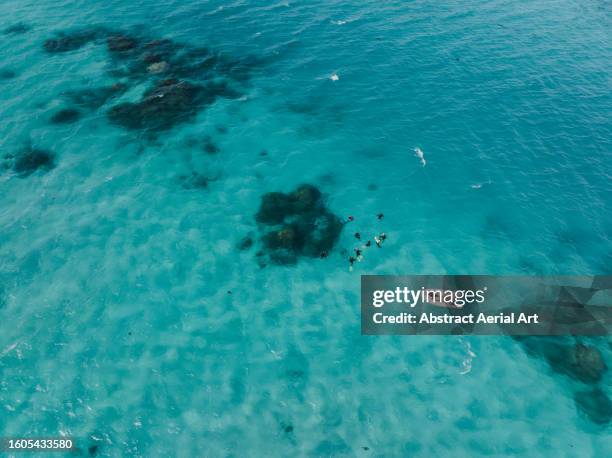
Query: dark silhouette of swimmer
(357, 235)
(350, 219)
(380, 239)
(324, 254)
(368, 243)
(380, 216)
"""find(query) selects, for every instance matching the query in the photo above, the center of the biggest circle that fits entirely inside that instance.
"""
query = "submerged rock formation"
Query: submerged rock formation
(296, 224)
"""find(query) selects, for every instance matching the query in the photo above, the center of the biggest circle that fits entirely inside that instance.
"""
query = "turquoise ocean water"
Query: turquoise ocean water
(118, 326)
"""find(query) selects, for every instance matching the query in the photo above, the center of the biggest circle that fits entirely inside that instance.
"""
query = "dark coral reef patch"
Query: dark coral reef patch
(73, 40)
(196, 180)
(29, 160)
(65, 116)
(121, 44)
(17, 29)
(582, 363)
(7, 74)
(296, 224)
(93, 98)
(168, 103)
(595, 404)
(182, 79)
(137, 58)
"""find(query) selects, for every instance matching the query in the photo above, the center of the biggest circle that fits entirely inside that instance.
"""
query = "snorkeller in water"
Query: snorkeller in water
(351, 262)
(358, 254)
(379, 239)
(418, 152)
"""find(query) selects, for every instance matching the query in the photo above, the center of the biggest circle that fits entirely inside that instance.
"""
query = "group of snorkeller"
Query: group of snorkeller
(378, 240)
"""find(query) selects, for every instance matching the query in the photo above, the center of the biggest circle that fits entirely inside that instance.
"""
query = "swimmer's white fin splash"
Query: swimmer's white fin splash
(418, 152)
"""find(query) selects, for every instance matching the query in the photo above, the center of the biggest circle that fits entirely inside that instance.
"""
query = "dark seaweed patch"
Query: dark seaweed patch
(121, 44)
(71, 41)
(579, 361)
(29, 160)
(274, 207)
(159, 50)
(215, 90)
(195, 180)
(595, 404)
(7, 74)
(138, 58)
(156, 56)
(65, 116)
(210, 147)
(497, 226)
(167, 104)
(586, 363)
(141, 58)
(17, 29)
(245, 243)
(93, 98)
(195, 63)
(184, 79)
(302, 225)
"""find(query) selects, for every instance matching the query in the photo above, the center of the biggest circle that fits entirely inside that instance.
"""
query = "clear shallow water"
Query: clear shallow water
(114, 278)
